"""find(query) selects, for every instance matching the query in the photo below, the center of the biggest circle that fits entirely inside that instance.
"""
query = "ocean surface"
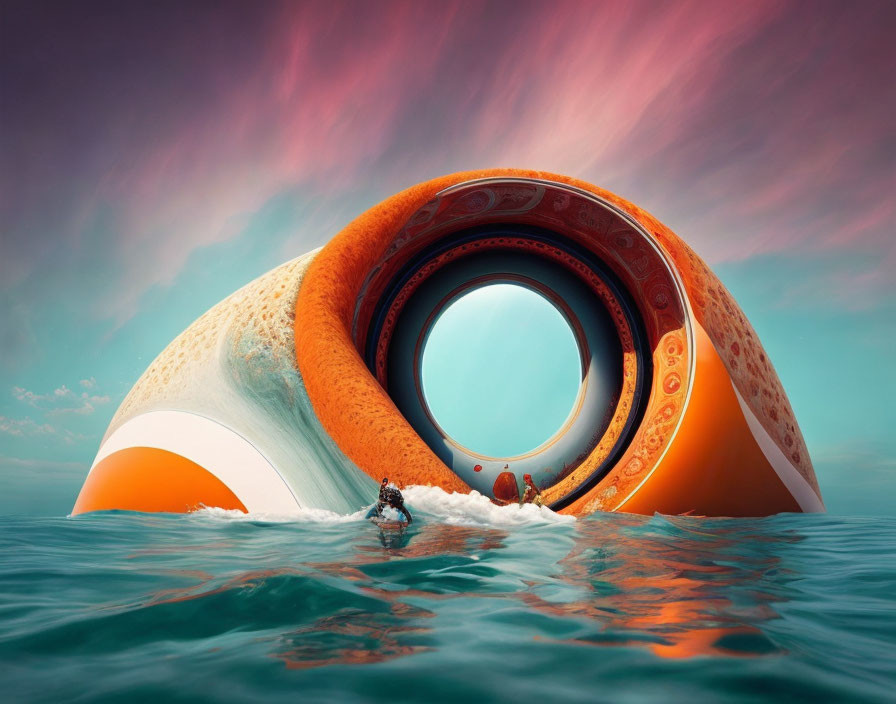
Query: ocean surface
(472, 603)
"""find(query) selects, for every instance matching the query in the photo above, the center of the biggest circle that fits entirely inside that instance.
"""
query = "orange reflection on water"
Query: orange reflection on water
(356, 638)
(669, 594)
(674, 588)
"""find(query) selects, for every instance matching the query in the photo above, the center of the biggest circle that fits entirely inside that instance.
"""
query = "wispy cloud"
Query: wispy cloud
(42, 468)
(746, 140)
(62, 401)
(29, 428)
(85, 408)
(24, 427)
(138, 144)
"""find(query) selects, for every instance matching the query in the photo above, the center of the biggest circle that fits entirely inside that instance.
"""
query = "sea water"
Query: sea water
(473, 602)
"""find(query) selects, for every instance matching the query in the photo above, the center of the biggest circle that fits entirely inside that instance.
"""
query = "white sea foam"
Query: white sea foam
(427, 502)
(304, 515)
(392, 514)
(476, 509)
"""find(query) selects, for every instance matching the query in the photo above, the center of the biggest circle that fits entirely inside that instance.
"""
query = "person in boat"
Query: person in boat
(531, 494)
(391, 496)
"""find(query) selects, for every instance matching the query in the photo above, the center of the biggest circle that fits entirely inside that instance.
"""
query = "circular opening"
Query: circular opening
(500, 370)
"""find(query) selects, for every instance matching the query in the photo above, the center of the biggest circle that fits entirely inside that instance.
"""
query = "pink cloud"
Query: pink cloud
(577, 87)
(308, 114)
(740, 125)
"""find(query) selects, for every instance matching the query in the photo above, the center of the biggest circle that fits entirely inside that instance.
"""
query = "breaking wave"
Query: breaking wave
(471, 602)
(428, 503)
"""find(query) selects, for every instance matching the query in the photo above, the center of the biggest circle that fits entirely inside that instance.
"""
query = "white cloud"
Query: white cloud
(63, 401)
(28, 397)
(86, 406)
(29, 428)
(22, 427)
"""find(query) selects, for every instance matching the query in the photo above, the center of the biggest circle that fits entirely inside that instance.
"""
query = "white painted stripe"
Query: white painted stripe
(796, 484)
(213, 446)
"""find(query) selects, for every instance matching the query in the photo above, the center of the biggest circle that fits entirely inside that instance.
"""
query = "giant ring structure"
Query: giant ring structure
(302, 389)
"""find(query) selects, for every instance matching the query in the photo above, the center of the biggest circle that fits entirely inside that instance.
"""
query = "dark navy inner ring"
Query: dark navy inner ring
(596, 334)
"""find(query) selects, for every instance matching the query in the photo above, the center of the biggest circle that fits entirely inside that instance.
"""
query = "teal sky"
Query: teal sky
(156, 157)
(501, 370)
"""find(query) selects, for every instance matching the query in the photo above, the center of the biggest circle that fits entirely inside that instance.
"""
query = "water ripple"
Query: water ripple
(612, 608)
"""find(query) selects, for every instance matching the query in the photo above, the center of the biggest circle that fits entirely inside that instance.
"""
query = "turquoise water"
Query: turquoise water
(472, 603)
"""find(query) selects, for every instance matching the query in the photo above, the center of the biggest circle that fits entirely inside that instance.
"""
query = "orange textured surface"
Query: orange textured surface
(742, 354)
(732, 335)
(152, 480)
(353, 408)
(359, 415)
(714, 466)
(666, 404)
(350, 404)
(628, 250)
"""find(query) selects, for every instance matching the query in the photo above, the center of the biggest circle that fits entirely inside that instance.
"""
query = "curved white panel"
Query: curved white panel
(804, 494)
(216, 448)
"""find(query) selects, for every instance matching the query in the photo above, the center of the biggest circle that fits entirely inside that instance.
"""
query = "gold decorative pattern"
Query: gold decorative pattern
(614, 241)
(263, 309)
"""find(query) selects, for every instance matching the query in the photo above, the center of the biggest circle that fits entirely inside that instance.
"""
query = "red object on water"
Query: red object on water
(505, 487)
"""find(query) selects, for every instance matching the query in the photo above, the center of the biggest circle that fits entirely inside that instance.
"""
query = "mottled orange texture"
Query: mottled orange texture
(712, 467)
(359, 415)
(350, 404)
(152, 480)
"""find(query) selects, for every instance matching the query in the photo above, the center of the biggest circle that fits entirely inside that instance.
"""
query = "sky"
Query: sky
(154, 157)
(501, 370)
